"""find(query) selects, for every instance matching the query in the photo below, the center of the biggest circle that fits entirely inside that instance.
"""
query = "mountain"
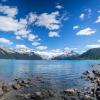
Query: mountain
(66, 56)
(6, 53)
(91, 54)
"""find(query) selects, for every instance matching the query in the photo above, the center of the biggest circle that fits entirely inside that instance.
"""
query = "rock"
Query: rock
(37, 96)
(86, 73)
(16, 86)
(1, 92)
(70, 91)
(6, 88)
(25, 96)
(2, 98)
(96, 72)
(48, 94)
(98, 93)
(86, 97)
(51, 93)
(98, 81)
(74, 98)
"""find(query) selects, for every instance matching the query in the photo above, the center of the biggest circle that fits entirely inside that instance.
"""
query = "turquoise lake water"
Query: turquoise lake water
(60, 73)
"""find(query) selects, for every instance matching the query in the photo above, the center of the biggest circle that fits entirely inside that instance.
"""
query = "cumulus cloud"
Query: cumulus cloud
(8, 24)
(9, 11)
(49, 21)
(20, 27)
(53, 34)
(22, 48)
(32, 17)
(82, 16)
(93, 46)
(31, 37)
(75, 27)
(98, 40)
(86, 31)
(18, 37)
(22, 33)
(86, 14)
(41, 47)
(53, 53)
(98, 20)
(67, 49)
(49, 54)
(5, 41)
(35, 43)
(58, 6)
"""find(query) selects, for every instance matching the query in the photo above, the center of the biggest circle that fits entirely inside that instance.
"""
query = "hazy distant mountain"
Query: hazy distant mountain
(91, 54)
(67, 55)
(6, 53)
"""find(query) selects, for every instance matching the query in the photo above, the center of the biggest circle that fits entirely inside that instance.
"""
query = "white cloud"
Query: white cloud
(9, 11)
(75, 27)
(98, 40)
(86, 14)
(35, 43)
(98, 20)
(50, 21)
(49, 54)
(8, 24)
(41, 47)
(67, 49)
(53, 34)
(31, 37)
(22, 48)
(86, 31)
(32, 17)
(22, 33)
(6, 41)
(18, 37)
(82, 16)
(98, 11)
(93, 46)
(53, 53)
(58, 6)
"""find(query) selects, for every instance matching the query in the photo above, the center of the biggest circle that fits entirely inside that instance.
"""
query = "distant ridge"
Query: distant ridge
(6, 53)
(90, 54)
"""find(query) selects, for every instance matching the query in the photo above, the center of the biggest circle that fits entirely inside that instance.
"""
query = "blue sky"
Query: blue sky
(50, 25)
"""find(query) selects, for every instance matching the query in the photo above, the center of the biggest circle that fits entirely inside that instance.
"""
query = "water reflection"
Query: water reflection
(59, 73)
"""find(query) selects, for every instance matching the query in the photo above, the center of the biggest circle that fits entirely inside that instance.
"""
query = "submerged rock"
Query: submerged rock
(16, 86)
(86, 97)
(70, 91)
(1, 92)
(6, 88)
(37, 96)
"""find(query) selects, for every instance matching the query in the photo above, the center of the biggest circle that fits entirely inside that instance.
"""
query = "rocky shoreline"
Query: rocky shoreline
(37, 89)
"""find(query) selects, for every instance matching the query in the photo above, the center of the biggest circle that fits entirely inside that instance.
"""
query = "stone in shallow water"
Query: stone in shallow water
(37, 96)
(98, 93)
(16, 86)
(70, 91)
(1, 92)
(86, 97)
(6, 88)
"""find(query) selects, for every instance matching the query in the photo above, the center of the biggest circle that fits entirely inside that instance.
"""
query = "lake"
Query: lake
(60, 73)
